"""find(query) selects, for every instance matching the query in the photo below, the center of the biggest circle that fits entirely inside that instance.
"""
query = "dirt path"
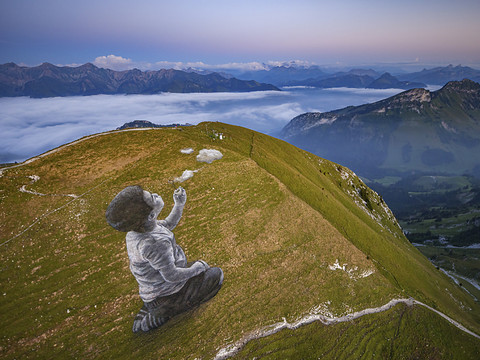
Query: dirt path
(34, 179)
(233, 349)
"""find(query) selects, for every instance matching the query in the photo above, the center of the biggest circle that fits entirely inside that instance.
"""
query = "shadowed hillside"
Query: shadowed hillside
(415, 131)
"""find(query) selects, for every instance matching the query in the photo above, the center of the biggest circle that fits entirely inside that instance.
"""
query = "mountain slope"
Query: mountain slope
(314, 76)
(388, 81)
(282, 75)
(48, 80)
(294, 234)
(358, 79)
(416, 130)
(346, 80)
(442, 75)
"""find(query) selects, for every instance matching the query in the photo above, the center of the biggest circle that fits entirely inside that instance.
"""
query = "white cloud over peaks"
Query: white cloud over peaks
(242, 66)
(113, 62)
(178, 65)
(60, 65)
(233, 66)
(290, 63)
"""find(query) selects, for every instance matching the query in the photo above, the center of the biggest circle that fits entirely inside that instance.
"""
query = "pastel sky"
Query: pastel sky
(155, 32)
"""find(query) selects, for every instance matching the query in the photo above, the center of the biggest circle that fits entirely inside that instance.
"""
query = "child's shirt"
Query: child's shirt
(151, 252)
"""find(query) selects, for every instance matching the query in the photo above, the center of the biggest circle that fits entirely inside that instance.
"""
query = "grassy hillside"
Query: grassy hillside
(275, 218)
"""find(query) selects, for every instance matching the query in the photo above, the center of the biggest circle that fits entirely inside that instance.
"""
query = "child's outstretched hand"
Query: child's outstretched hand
(180, 196)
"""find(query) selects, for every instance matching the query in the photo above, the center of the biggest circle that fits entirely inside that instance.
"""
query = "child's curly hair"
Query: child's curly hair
(128, 211)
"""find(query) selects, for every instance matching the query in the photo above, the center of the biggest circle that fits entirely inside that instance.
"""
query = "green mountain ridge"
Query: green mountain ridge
(295, 235)
(414, 131)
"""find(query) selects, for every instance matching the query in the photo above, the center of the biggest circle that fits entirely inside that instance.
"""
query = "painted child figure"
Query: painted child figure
(167, 284)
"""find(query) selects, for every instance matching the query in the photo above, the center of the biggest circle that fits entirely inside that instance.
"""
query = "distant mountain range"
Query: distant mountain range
(360, 78)
(48, 80)
(414, 131)
(442, 75)
(284, 75)
(147, 124)
(357, 79)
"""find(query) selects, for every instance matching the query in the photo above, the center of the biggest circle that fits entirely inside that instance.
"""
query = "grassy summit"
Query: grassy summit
(294, 234)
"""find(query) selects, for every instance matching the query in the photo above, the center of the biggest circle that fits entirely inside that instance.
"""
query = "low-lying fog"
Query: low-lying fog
(29, 127)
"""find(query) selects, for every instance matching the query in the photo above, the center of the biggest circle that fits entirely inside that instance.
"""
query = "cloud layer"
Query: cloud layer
(29, 127)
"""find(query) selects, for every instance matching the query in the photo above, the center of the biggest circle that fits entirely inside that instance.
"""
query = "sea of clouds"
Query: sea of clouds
(29, 127)
(115, 62)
